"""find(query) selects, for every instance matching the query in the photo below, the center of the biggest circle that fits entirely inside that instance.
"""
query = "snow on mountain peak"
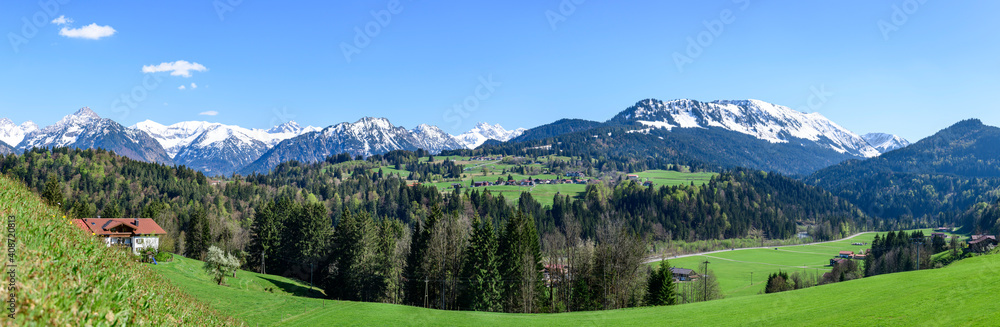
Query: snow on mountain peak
(763, 120)
(288, 127)
(13, 134)
(483, 132)
(885, 142)
(82, 116)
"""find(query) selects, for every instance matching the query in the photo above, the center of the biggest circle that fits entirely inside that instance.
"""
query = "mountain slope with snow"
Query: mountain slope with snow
(885, 142)
(483, 132)
(762, 120)
(215, 148)
(367, 136)
(86, 130)
(12, 134)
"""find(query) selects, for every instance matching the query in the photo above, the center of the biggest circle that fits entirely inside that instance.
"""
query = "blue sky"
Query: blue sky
(517, 63)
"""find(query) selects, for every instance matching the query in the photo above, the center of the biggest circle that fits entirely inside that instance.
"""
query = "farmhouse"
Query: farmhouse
(846, 254)
(982, 243)
(632, 177)
(941, 235)
(682, 274)
(134, 233)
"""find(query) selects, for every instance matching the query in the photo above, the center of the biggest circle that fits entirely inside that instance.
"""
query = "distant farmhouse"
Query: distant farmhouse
(683, 275)
(134, 233)
(982, 243)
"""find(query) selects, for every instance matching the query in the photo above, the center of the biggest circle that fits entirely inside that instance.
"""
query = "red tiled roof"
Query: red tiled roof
(846, 252)
(103, 226)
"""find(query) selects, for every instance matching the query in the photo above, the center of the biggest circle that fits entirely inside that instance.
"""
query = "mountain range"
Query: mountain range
(725, 134)
(748, 133)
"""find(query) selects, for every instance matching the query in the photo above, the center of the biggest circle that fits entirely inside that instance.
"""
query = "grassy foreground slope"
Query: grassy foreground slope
(65, 277)
(960, 294)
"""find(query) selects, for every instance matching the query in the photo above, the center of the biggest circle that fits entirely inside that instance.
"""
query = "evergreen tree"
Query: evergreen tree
(521, 264)
(267, 229)
(778, 282)
(111, 211)
(660, 289)
(53, 191)
(198, 236)
(482, 268)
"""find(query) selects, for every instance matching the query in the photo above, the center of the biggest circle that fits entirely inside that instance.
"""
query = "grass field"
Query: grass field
(66, 277)
(733, 268)
(672, 178)
(960, 294)
(542, 193)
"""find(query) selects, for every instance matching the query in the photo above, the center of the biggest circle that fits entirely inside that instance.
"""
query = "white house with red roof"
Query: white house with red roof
(135, 233)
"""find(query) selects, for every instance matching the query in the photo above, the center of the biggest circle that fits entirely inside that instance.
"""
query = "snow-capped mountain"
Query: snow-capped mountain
(483, 132)
(174, 138)
(85, 129)
(13, 134)
(765, 121)
(433, 139)
(215, 148)
(366, 137)
(885, 142)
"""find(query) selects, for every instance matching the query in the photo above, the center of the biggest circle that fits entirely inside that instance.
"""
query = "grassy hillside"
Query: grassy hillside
(960, 294)
(66, 278)
(734, 268)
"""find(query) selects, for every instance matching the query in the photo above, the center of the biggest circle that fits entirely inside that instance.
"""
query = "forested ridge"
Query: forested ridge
(931, 181)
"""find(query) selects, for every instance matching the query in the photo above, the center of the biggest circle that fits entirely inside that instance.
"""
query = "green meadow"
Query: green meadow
(964, 290)
(734, 269)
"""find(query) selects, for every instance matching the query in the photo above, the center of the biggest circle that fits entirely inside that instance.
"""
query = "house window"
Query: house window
(138, 241)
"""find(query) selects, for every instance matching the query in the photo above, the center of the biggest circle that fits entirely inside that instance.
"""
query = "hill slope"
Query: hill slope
(65, 277)
(946, 172)
(956, 295)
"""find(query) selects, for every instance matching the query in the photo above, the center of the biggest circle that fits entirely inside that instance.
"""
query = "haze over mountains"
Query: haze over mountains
(752, 132)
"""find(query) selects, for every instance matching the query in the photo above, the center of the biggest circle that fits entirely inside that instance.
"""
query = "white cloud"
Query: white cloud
(209, 113)
(194, 86)
(92, 31)
(181, 87)
(62, 20)
(176, 68)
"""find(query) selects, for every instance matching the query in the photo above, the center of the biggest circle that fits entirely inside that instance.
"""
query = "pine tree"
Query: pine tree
(53, 191)
(660, 289)
(197, 240)
(521, 264)
(482, 268)
(267, 229)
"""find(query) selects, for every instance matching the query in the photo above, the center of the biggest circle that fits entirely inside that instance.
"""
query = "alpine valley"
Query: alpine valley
(738, 133)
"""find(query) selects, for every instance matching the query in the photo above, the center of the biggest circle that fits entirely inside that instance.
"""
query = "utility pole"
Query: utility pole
(920, 244)
(262, 262)
(425, 292)
(751, 278)
(310, 274)
(705, 282)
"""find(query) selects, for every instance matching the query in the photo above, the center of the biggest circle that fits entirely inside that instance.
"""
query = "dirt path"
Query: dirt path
(657, 258)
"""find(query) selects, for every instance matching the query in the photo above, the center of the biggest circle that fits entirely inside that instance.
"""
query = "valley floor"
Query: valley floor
(960, 294)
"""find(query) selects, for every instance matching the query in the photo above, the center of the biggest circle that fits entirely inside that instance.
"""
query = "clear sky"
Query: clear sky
(519, 63)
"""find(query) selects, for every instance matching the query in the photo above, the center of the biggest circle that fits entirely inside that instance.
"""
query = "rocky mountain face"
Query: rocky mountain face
(365, 137)
(217, 149)
(885, 142)
(85, 129)
(483, 132)
(12, 134)
(762, 120)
